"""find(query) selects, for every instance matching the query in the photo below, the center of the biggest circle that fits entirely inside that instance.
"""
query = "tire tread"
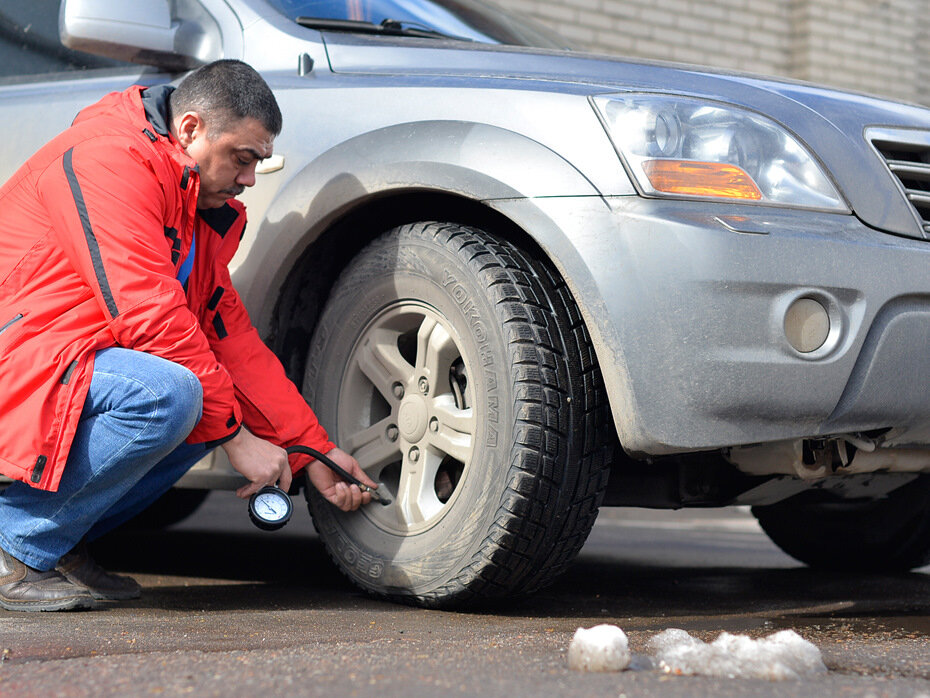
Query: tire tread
(544, 518)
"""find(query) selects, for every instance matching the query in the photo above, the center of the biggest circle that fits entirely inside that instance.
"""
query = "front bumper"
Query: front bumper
(686, 303)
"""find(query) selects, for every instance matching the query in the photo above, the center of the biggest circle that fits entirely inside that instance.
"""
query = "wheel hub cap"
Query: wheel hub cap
(412, 418)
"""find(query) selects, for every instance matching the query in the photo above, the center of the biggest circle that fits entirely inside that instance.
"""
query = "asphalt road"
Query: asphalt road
(230, 611)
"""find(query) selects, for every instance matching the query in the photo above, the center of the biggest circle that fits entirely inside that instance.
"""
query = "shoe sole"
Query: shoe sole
(70, 604)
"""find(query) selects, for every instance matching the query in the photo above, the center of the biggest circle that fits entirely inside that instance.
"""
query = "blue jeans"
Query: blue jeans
(128, 450)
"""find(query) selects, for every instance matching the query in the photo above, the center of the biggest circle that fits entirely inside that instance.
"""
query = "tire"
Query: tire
(891, 534)
(458, 372)
(172, 507)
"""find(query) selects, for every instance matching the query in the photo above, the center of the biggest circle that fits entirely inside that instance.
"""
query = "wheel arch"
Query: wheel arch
(440, 170)
(310, 278)
(312, 275)
(468, 161)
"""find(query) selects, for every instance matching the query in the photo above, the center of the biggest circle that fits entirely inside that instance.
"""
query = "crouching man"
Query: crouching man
(125, 353)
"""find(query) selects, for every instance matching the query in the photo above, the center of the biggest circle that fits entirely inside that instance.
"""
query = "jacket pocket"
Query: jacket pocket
(10, 323)
(10, 332)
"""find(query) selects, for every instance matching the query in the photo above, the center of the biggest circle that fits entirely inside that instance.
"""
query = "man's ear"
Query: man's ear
(188, 128)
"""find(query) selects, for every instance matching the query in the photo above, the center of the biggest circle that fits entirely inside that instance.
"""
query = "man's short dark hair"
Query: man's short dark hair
(223, 93)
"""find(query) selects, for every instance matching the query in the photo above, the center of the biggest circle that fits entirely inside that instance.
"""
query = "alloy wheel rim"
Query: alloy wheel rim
(406, 414)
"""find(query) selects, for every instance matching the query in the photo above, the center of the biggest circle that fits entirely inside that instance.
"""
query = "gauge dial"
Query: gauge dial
(270, 508)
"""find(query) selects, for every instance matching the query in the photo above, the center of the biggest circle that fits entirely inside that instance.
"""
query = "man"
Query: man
(125, 353)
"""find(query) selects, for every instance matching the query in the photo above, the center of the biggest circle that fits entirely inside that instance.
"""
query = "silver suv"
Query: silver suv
(520, 283)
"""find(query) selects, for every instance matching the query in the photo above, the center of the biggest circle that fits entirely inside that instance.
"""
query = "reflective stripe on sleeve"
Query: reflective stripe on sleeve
(92, 245)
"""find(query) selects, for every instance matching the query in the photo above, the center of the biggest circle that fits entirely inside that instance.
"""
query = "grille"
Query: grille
(908, 156)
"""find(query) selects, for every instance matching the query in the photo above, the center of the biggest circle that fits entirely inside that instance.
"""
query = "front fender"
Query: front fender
(475, 161)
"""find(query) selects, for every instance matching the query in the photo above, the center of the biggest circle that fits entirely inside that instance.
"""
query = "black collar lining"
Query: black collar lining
(157, 109)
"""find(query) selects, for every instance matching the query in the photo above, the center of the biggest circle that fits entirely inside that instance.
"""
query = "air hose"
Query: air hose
(329, 463)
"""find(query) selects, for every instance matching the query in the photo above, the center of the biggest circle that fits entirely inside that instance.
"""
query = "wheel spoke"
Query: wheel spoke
(455, 431)
(452, 417)
(416, 496)
(372, 448)
(423, 338)
(436, 350)
(381, 362)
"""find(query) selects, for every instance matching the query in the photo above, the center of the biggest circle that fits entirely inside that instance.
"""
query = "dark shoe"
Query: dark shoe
(78, 567)
(23, 588)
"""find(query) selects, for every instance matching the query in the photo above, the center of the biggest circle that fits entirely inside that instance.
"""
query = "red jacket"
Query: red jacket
(95, 227)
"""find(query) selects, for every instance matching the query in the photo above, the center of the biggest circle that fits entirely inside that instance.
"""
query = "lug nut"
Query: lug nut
(398, 390)
(423, 385)
(434, 424)
(392, 433)
(414, 454)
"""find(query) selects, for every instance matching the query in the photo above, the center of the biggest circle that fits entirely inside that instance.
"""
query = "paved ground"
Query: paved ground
(231, 611)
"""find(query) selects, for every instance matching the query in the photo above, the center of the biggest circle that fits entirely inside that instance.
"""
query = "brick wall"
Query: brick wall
(876, 46)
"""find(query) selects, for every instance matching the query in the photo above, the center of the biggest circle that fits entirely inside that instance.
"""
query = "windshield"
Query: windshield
(474, 20)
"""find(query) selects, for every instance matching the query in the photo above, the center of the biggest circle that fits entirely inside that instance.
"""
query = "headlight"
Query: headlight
(683, 147)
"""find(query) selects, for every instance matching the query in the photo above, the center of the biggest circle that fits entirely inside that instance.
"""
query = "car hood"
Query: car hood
(831, 122)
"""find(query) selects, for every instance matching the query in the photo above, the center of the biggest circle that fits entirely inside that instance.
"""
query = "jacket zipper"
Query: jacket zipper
(11, 322)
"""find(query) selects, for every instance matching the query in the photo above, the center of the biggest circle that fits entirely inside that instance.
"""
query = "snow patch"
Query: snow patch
(601, 648)
(782, 655)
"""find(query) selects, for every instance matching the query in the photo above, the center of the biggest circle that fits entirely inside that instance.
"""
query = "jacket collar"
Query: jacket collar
(157, 113)
(157, 110)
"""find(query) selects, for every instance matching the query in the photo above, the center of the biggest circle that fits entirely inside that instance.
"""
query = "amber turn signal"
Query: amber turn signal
(701, 179)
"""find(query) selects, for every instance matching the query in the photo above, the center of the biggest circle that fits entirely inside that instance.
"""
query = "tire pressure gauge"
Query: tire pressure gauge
(270, 508)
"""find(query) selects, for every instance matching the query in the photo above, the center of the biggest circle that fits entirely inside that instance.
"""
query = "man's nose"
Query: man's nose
(246, 177)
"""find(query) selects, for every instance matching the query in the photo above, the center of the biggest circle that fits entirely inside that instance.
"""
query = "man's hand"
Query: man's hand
(260, 461)
(336, 490)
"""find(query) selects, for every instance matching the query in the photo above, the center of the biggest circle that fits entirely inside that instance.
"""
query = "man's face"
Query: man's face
(226, 161)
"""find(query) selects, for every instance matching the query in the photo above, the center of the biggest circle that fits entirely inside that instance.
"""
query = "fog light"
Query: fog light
(807, 325)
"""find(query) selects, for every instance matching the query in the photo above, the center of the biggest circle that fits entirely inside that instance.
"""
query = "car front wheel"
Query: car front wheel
(456, 369)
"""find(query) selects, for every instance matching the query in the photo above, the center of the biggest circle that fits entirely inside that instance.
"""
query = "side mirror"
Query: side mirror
(140, 31)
